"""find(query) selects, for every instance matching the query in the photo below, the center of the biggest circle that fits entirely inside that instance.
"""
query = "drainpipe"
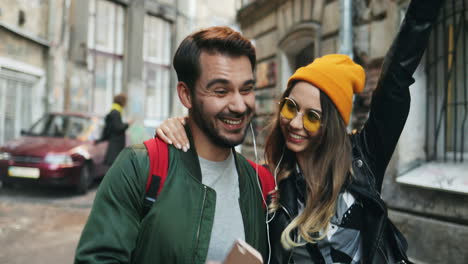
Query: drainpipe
(346, 37)
(346, 28)
(50, 58)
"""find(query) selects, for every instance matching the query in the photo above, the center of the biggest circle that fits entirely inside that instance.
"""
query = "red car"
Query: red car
(59, 149)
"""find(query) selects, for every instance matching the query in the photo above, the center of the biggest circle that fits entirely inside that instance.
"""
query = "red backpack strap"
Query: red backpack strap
(158, 154)
(266, 180)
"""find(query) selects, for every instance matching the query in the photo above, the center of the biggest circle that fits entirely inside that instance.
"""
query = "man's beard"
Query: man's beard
(212, 133)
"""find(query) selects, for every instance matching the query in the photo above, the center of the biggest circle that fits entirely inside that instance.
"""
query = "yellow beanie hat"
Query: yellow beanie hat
(337, 76)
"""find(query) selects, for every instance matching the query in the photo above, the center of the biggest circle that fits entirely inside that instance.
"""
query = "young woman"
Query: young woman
(328, 209)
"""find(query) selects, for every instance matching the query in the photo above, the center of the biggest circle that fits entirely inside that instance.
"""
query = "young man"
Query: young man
(211, 195)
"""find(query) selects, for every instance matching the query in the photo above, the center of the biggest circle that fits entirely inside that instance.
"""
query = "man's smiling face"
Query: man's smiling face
(224, 100)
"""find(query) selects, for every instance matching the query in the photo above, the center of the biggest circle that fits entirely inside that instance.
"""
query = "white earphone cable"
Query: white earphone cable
(267, 221)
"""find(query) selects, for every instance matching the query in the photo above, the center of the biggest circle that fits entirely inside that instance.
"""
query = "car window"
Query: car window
(50, 126)
(78, 128)
(65, 126)
(40, 127)
(95, 129)
(57, 127)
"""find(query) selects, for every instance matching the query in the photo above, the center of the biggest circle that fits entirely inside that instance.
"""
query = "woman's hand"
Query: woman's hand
(172, 131)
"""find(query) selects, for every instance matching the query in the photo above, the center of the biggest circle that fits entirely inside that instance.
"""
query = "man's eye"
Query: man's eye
(247, 90)
(220, 91)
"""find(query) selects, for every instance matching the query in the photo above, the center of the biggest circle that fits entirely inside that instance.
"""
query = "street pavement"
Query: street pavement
(40, 224)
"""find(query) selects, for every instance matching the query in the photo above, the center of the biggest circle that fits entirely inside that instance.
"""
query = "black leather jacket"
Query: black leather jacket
(373, 146)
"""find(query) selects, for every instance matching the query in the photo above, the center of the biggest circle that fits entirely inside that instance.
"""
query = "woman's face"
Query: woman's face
(307, 97)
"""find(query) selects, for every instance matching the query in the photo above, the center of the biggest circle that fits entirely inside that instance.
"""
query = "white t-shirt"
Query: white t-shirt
(228, 224)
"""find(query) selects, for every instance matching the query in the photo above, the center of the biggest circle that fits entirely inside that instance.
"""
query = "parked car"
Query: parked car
(59, 149)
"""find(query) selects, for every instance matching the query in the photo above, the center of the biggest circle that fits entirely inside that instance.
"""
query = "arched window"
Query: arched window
(298, 48)
(305, 56)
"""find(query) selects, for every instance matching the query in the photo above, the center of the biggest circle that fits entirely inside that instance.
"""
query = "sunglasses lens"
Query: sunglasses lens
(312, 121)
(289, 109)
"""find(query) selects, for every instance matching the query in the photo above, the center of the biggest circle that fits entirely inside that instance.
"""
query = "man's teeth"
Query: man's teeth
(296, 136)
(231, 122)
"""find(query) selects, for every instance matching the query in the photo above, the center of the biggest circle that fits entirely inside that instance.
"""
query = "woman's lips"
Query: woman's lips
(295, 138)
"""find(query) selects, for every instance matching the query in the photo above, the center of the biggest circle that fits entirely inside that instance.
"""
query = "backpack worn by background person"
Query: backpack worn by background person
(159, 164)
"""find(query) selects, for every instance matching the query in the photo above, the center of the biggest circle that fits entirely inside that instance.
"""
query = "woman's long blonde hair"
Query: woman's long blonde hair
(324, 174)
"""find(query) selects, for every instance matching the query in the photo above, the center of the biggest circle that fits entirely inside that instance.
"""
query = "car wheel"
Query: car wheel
(86, 179)
(7, 184)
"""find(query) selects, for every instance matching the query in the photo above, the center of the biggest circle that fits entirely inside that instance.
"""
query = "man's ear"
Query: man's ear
(185, 96)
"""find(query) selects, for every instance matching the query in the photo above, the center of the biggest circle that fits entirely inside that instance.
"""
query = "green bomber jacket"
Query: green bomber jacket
(177, 228)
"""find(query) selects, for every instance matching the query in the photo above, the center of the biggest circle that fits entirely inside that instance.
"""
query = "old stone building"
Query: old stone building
(426, 184)
(24, 45)
(126, 46)
(75, 55)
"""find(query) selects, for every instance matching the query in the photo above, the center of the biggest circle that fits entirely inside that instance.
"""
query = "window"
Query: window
(77, 128)
(94, 131)
(443, 158)
(16, 102)
(447, 97)
(157, 64)
(305, 56)
(57, 125)
(105, 42)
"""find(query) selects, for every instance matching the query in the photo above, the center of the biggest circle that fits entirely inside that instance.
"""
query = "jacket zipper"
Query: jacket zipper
(383, 255)
(379, 236)
(200, 223)
(290, 218)
(369, 195)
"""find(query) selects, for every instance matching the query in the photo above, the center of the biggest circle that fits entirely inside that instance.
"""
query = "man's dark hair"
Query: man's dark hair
(223, 40)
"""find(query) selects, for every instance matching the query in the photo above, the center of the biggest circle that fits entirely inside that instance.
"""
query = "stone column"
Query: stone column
(133, 61)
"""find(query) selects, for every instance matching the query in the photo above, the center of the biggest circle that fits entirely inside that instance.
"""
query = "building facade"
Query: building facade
(122, 46)
(24, 38)
(75, 55)
(426, 184)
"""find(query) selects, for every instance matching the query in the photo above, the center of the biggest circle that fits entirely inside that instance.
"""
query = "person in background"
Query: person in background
(114, 129)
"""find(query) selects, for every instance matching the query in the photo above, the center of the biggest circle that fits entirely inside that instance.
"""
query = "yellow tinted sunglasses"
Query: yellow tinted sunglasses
(311, 120)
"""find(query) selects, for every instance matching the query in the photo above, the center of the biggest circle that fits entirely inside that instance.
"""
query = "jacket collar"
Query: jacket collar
(191, 158)
(117, 107)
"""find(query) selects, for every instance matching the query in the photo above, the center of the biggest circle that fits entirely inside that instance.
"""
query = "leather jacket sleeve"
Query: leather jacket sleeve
(391, 99)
